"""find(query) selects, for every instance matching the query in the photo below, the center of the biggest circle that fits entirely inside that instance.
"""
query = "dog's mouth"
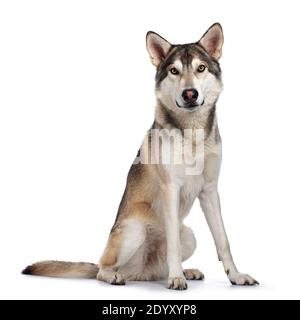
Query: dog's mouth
(189, 106)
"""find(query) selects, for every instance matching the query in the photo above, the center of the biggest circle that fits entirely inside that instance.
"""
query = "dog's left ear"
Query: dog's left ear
(157, 47)
(212, 41)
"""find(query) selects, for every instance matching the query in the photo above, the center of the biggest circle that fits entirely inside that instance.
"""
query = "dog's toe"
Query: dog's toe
(177, 283)
(193, 274)
(114, 278)
(240, 279)
(117, 280)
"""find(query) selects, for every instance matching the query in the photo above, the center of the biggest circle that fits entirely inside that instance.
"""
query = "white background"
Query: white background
(76, 97)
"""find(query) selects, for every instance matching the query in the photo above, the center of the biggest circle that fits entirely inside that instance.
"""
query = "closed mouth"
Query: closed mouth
(189, 106)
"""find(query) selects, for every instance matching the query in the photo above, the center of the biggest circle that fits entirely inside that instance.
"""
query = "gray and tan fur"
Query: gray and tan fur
(149, 240)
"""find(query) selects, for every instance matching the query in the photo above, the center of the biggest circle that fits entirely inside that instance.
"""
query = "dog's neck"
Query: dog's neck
(204, 118)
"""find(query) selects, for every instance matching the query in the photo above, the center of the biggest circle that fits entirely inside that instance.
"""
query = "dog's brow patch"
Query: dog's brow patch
(178, 65)
(195, 63)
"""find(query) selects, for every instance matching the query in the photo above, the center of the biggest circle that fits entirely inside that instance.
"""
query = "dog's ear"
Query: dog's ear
(212, 41)
(157, 47)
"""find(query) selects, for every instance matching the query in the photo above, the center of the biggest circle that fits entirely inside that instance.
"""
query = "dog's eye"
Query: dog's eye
(201, 68)
(174, 71)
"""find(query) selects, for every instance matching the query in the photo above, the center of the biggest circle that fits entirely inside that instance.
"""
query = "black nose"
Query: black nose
(190, 95)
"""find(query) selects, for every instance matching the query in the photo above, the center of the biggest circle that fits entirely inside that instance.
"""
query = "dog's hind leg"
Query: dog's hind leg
(155, 263)
(188, 247)
(125, 239)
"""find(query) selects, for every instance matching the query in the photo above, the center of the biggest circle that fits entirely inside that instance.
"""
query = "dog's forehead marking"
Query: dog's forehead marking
(185, 54)
(196, 62)
(178, 64)
(189, 55)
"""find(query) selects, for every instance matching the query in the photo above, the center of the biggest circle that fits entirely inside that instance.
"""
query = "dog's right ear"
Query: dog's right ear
(157, 47)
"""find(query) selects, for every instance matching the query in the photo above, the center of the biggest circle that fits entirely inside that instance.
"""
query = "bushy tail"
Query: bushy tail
(61, 269)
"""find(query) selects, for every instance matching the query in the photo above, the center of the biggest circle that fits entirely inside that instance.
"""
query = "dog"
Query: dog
(148, 240)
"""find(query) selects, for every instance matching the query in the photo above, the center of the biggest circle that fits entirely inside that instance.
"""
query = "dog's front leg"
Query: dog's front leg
(176, 279)
(210, 204)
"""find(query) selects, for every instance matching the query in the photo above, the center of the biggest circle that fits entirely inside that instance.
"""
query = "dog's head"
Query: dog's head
(188, 76)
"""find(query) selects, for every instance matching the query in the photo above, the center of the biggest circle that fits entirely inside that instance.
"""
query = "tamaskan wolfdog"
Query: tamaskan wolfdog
(177, 163)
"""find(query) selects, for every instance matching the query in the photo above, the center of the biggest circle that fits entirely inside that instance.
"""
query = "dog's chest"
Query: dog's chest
(187, 155)
(194, 162)
(200, 170)
(191, 187)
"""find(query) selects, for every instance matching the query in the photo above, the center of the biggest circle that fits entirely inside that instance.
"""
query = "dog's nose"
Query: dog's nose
(190, 95)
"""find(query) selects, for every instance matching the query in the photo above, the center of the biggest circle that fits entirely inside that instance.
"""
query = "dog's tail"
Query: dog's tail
(61, 269)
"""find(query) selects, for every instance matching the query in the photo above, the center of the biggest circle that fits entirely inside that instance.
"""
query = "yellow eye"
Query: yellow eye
(174, 71)
(201, 68)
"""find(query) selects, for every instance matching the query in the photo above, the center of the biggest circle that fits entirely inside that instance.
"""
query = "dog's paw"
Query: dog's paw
(114, 278)
(193, 274)
(241, 279)
(177, 283)
(118, 280)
